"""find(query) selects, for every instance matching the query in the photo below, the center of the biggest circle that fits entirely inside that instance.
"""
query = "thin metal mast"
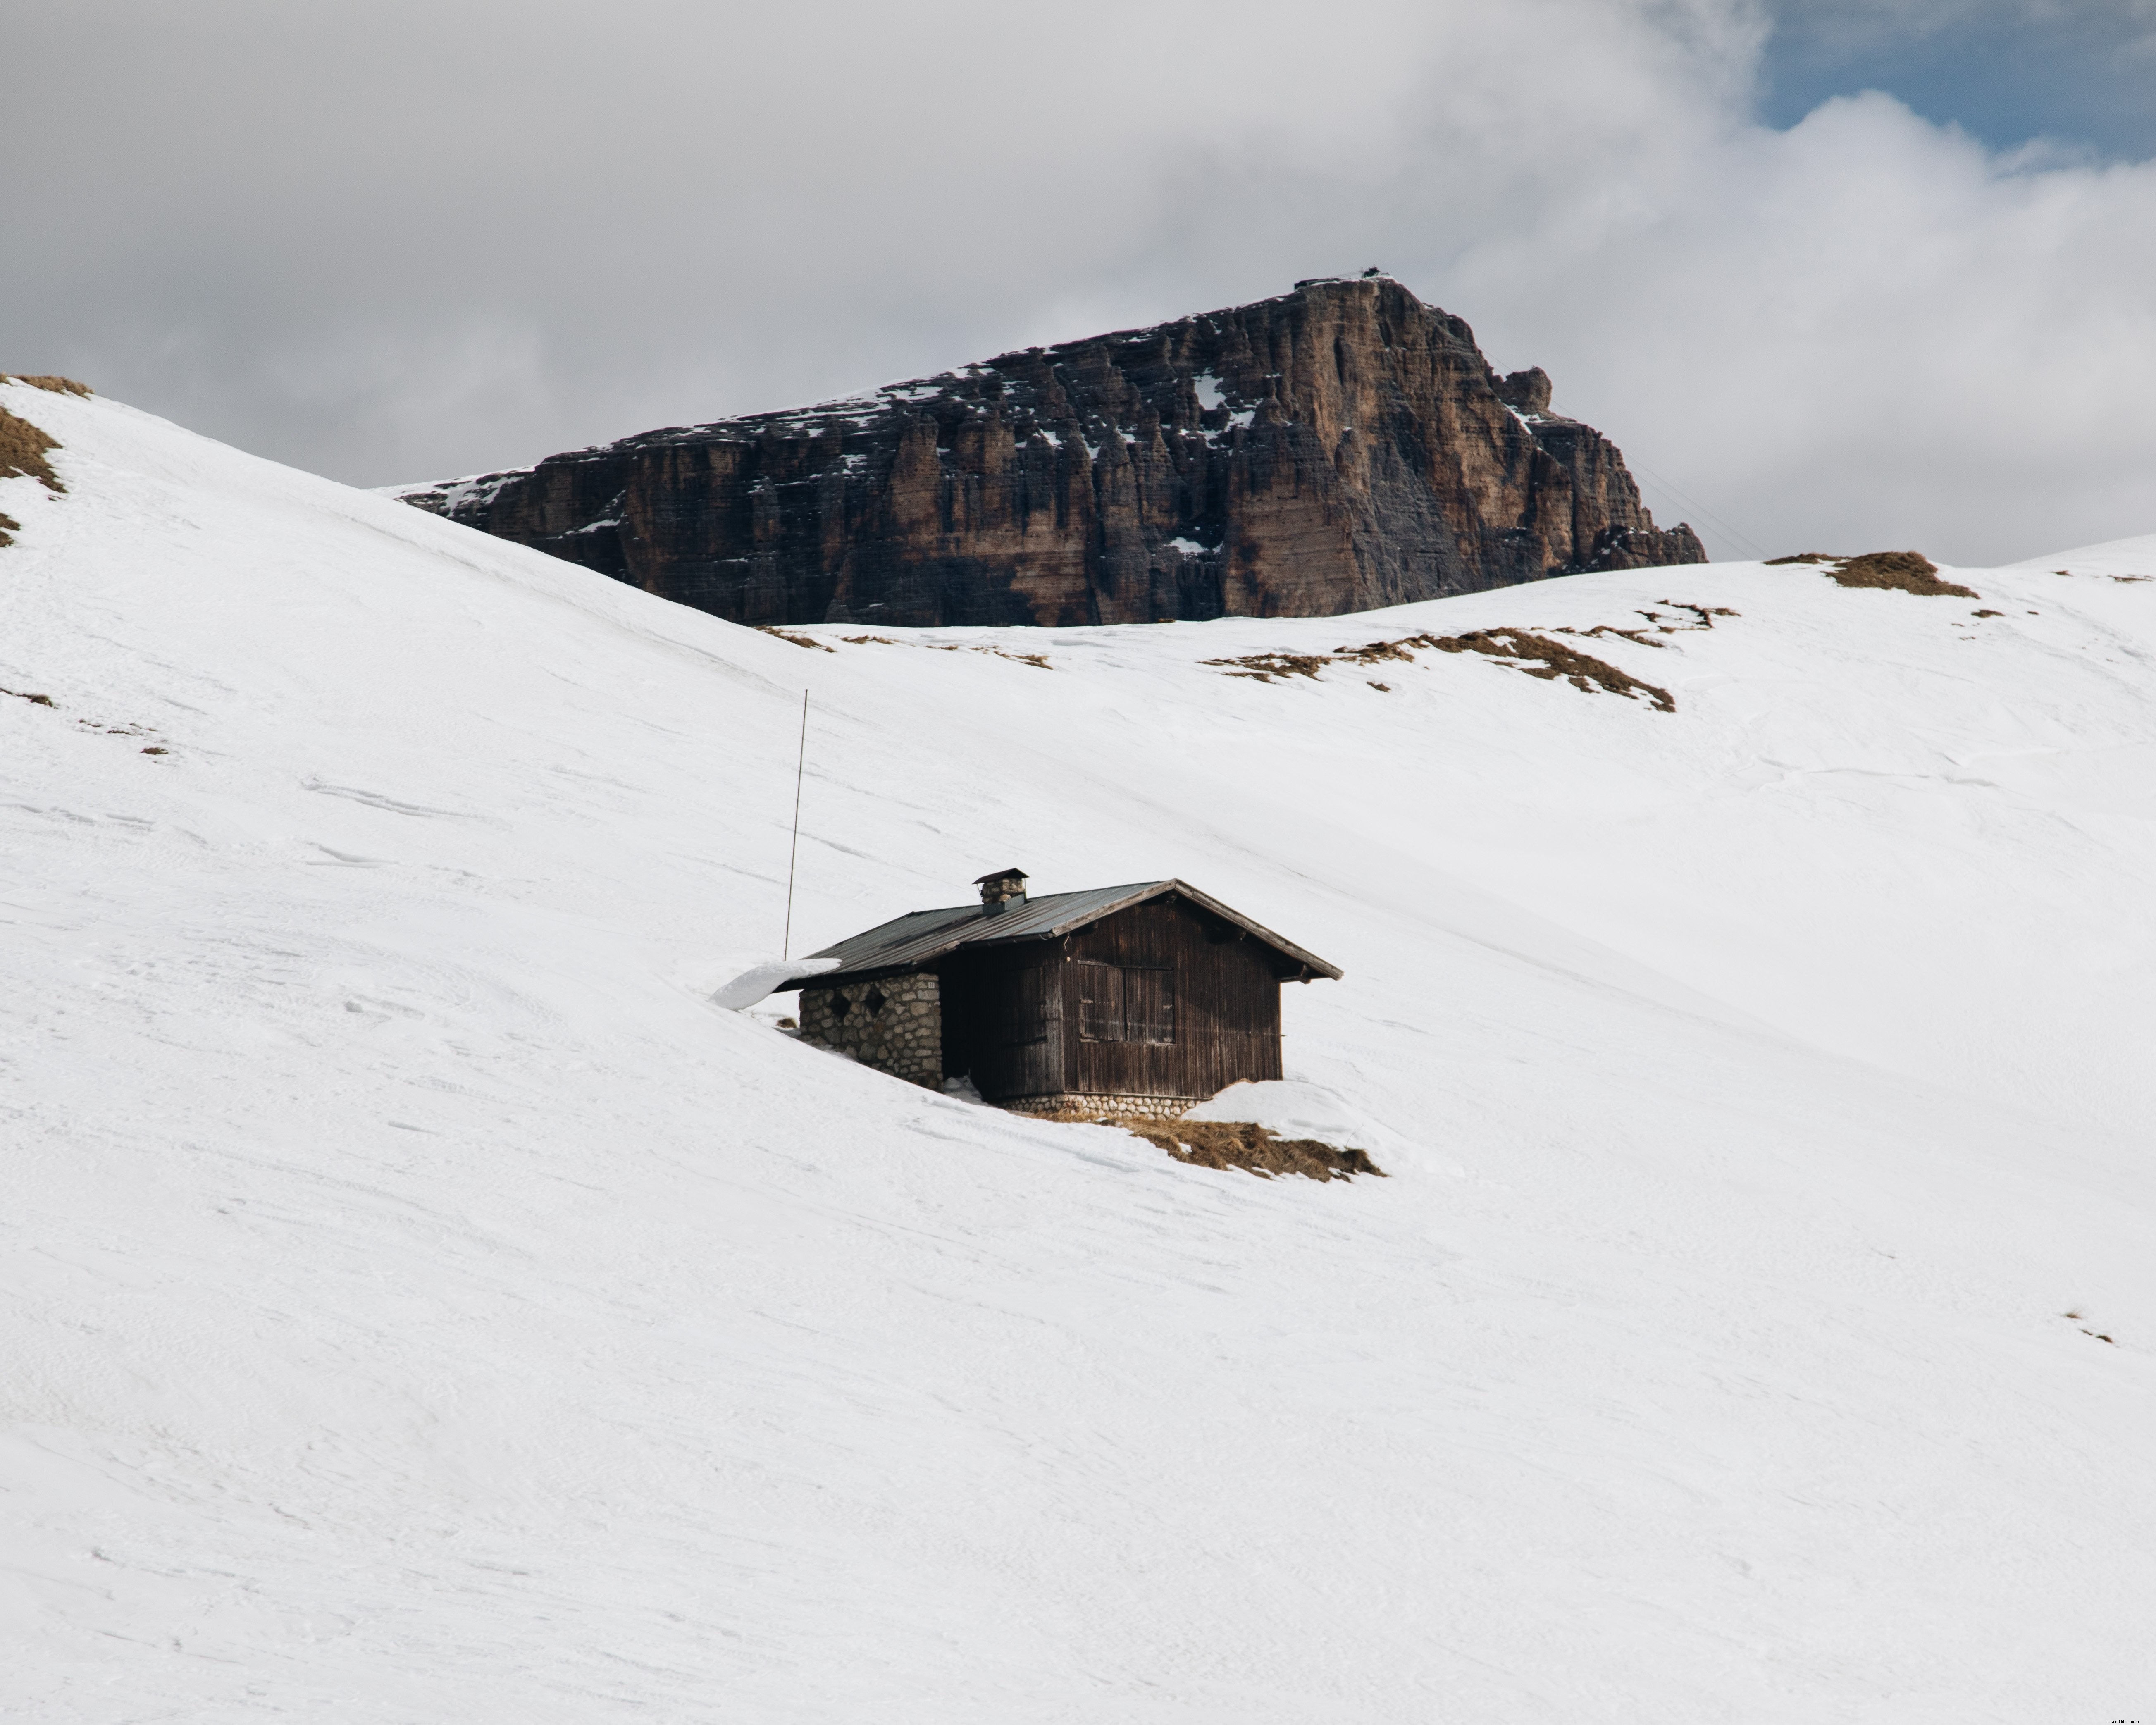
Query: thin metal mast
(786, 944)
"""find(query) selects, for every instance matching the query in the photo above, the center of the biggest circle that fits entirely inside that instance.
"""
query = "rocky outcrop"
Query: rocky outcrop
(1337, 449)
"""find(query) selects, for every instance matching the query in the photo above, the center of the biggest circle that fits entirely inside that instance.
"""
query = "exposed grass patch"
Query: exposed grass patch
(58, 386)
(1901, 570)
(798, 640)
(1265, 667)
(1703, 618)
(34, 700)
(1038, 660)
(22, 448)
(1228, 1143)
(1537, 655)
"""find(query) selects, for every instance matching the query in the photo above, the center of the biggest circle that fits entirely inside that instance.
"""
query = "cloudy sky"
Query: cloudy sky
(1834, 275)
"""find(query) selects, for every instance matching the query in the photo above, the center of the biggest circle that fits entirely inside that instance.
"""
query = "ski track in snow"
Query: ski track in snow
(420, 1302)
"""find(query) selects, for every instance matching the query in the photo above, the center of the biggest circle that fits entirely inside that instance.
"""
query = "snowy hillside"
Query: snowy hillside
(421, 1303)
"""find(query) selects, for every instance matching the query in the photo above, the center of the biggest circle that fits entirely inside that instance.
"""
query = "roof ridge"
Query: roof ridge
(917, 938)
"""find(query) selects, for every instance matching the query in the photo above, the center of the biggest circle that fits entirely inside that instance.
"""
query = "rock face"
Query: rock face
(1337, 449)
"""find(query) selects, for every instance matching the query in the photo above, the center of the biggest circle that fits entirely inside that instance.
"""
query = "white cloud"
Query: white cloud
(441, 238)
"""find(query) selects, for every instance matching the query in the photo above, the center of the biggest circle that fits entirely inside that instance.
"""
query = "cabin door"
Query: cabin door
(1012, 1013)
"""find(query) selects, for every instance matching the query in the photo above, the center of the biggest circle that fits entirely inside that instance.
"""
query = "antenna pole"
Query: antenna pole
(786, 941)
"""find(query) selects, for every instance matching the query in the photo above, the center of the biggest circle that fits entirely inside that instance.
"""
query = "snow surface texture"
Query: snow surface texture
(422, 1303)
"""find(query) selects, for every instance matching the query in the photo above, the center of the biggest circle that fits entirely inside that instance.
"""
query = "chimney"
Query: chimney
(1000, 888)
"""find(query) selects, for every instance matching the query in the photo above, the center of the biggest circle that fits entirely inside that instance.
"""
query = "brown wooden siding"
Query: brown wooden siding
(1161, 999)
(1193, 1008)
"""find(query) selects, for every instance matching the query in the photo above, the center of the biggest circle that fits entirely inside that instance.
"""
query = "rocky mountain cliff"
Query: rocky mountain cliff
(1336, 448)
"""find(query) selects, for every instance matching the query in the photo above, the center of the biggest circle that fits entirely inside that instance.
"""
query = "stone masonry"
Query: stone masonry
(895, 1025)
(1104, 1106)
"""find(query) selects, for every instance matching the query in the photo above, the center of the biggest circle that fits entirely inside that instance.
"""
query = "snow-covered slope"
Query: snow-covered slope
(420, 1302)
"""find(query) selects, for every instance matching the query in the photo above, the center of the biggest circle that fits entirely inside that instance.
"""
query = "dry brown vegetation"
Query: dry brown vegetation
(58, 386)
(1537, 655)
(1039, 660)
(1226, 1144)
(1229, 1143)
(1898, 570)
(1264, 667)
(1703, 618)
(1901, 570)
(798, 640)
(22, 449)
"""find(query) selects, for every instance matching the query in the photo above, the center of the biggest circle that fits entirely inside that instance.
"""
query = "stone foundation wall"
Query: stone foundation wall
(895, 1025)
(1114, 1107)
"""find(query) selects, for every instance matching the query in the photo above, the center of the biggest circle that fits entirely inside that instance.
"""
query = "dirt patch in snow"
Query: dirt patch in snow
(1226, 1144)
(1264, 667)
(1900, 571)
(1537, 655)
(58, 386)
(22, 448)
(797, 640)
(1039, 661)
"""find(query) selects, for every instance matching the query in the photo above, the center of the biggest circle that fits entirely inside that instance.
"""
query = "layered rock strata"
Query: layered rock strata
(1336, 448)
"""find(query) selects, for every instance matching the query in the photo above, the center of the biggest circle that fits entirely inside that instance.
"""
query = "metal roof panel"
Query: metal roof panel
(920, 937)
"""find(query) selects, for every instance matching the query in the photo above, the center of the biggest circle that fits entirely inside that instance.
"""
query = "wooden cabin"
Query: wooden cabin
(1138, 999)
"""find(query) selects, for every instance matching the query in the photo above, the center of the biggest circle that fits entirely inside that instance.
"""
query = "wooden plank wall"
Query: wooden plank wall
(1193, 1007)
(1162, 999)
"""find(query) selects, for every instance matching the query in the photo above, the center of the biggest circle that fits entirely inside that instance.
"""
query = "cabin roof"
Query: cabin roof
(920, 938)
